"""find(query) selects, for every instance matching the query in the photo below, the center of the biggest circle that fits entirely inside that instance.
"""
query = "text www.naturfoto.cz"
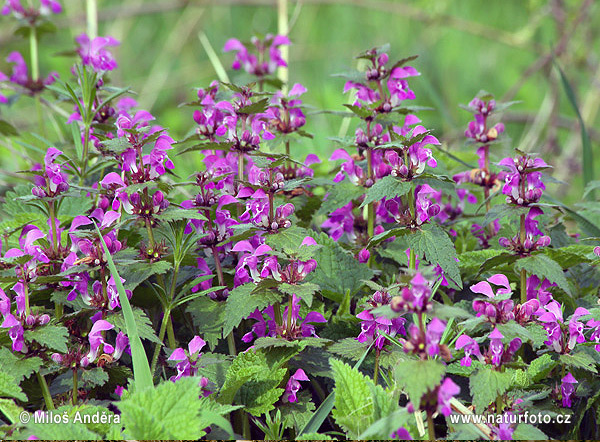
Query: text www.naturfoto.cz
(497, 419)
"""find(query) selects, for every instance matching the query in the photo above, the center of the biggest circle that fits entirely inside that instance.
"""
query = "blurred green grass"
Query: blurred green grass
(462, 46)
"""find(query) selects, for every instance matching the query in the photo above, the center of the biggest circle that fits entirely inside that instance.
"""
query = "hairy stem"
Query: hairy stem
(75, 387)
(523, 272)
(376, 374)
(161, 337)
(92, 18)
(33, 53)
(430, 427)
(45, 390)
(283, 29)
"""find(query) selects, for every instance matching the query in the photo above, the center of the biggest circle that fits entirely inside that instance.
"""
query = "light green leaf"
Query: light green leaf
(169, 411)
(486, 385)
(579, 360)
(540, 367)
(388, 187)
(142, 322)
(9, 387)
(50, 336)
(544, 267)
(416, 377)
(339, 195)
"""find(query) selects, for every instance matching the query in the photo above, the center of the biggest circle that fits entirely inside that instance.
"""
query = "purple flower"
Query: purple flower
(96, 340)
(94, 53)
(523, 185)
(594, 325)
(567, 389)
(402, 434)
(447, 390)
(293, 386)
(494, 311)
(266, 57)
(433, 335)
(478, 130)
(187, 360)
(20, 75)
(576, 328)
(496, 346)
(414, 298)
(363, 256)
(249, 261)
(53, 181)
(15, 7)
(471, 348)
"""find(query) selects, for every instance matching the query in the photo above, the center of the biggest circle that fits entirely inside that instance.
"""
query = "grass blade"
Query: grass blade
(141, 369)
(321, 413)
(588, 156)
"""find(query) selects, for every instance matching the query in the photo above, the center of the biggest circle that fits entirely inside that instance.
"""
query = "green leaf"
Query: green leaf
(579, 360)
(471, 261)
(339, 195)
(208, 315)
(388, 187)
(94, 377)
(138, 272)
(73, 205)
(254, 381)
(255, 108)
(570, 255)
(9, 387)
(7, 129)
(50, 336)
(512, 330)
(10, 410)
(544, 267)
(174, 214)
(337, 272)
(434, 245)
(501, 211)
(486, 385)
(304, 291)
(243, 300)
(169, 411)
(314, 436)
(417, 377)
(353, 399)
(142, 322)
(141, 367)
(361, 112)
(18, 368)
(540, 367)
(528, 432)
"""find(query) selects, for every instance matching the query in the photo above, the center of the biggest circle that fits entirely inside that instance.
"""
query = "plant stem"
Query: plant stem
(92, 19)
(25, 288)
(33, 48)
(219, 270)
(171, 334)
(376, 374)
(283, 29)
(430, 427)
(499, 405)
(45, 390)
(86, 144)
(161, 337)
(240, 178)
(371, 206)
(412, 260)
(523, 272)
(75, 387)
(246, 425)
(277, 310)
(58, 308)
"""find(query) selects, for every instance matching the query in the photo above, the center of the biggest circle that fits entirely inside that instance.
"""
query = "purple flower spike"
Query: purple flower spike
(402, 434)
(471, 348)
(567, 389)
(496, 346)
(94, 53)
(96, 340)
(293, 386)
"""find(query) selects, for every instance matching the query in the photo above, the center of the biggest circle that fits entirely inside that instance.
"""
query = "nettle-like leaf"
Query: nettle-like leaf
(253, 381)
(304, 291)
(544, 267)
(388, 187)
(339, 195)
(138, 272)
(94, 377)
(169, 411)
(337, 271)
(540, 367)
(50, 336)
(434, 245)
(358, 401)
(500, 211)
(297, 414)
(9, 387)
(487, 384)
(10, 410)
(417, 377)
(243, 300)
(18, 368)
(570, 255)
(469, 262)
(580, 359)
(208, 316)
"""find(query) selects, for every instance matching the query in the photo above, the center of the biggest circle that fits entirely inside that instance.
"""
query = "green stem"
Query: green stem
(246, 425)
(219, 270)
(240, 207)
(430, 427)
(171, 334)
(371, 206)
(86, 146)
(33, 53)
(231, 344)
(45, 390)
(92, 19)
(161, 337)
(75, 387)
(283, 29)
(412, 261)
(277, 310)
(27, 310)
(58, 308)
(376, 374)
(499, 405)
(523, 272)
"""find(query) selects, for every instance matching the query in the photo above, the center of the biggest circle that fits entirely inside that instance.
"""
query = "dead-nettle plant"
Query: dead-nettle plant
(377, 297)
